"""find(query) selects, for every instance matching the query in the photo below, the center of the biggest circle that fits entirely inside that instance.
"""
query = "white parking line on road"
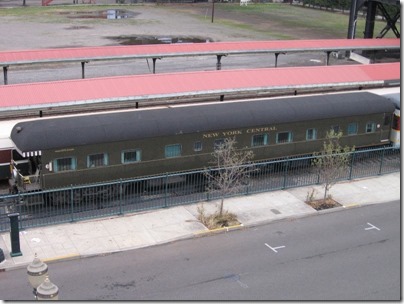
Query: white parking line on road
(274, 249)
(371, 227)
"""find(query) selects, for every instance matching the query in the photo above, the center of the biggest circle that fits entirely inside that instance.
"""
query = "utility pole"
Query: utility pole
(213, 9)
(353, 15)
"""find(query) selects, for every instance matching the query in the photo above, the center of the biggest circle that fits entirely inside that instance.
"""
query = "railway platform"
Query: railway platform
(134, 231)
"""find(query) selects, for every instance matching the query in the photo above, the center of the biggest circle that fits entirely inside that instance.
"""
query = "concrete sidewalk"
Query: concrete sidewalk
(131, 231)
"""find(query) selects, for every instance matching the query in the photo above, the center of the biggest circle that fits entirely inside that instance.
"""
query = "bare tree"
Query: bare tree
(332, 161)
(230, 174)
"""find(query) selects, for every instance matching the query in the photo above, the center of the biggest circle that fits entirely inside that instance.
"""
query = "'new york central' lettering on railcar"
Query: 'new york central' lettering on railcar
(64, 150)
(238, 132)
(259, 130)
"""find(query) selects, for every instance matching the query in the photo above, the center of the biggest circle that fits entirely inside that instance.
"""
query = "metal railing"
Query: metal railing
(77, 203)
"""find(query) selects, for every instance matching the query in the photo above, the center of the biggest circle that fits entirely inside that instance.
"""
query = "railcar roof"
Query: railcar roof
(395, 98)
(70, 132)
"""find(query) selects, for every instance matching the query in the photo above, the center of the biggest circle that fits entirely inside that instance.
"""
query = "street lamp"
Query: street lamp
(47, 291)
(37, 272)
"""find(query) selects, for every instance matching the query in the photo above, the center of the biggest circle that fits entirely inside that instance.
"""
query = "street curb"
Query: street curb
(303, 215)
(353, 205)
(66, 257)
(218, 230)
(279, 219)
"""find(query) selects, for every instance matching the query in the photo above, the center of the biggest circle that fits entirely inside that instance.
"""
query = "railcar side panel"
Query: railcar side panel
(153, 160)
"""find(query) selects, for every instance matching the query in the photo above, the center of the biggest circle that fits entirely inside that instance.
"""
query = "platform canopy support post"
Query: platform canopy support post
(218, 62)
(276, 57)
(83, 75)
(154, 65)
(327, 61)
(5, 70)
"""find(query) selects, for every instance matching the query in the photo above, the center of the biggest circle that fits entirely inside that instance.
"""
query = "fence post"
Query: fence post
(318, 170)
(351, 165)
(286, 173)
(250, 168)
(120, 196)
(381, 161)
(18, 205)
(165, 190)
(209, 183)
(14, 235)
(71, 204)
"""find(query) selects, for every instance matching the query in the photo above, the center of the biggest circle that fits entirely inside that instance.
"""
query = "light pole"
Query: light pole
(44, 289)
(47, 291)
(36, 271)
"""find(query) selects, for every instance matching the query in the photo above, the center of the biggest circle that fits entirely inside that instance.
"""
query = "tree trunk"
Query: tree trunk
(325, 192)
(221, 206)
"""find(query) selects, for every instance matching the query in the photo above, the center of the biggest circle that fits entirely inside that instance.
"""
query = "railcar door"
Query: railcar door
(395, 129)
(26, 171)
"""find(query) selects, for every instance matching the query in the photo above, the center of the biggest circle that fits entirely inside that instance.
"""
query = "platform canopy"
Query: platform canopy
(86, 54)
(72, 95)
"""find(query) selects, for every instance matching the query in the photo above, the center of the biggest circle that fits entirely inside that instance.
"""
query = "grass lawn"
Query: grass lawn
(277, 21)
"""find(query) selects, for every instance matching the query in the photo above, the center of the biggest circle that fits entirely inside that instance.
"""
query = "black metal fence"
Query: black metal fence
(94, 201)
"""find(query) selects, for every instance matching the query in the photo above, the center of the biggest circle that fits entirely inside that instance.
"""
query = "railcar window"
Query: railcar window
(283, 137)
(197, 146)
(387, 120)
(173, 150)
(311, 134)
(353, 128)
(65, 164)
(370, 127)
(131, 156)
(97, 160)
(259, 140)
(218, 143)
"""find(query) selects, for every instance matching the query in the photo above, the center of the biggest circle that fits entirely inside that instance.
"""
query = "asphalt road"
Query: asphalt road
(353, 254)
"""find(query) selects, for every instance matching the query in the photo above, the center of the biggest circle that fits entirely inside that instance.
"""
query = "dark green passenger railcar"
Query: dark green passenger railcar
(103, 147)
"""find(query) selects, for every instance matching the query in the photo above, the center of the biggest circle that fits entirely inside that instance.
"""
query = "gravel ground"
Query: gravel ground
(150, 20)
(52, 30)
